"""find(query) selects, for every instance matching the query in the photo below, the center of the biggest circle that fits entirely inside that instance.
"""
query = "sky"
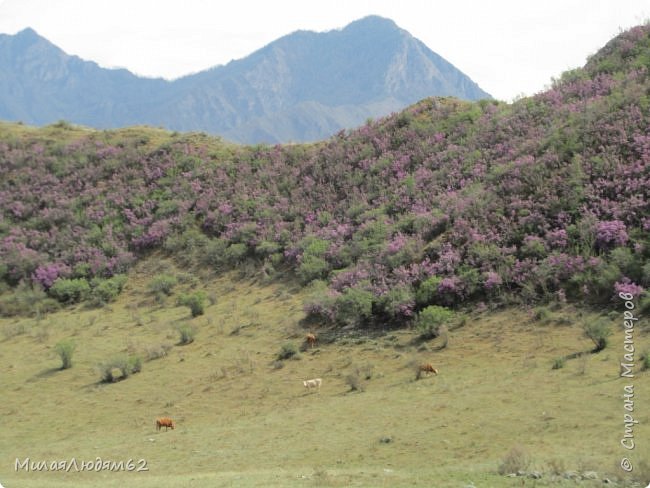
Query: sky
(511, 48)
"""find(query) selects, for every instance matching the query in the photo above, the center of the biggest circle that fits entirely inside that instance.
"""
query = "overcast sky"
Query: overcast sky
(509, 47)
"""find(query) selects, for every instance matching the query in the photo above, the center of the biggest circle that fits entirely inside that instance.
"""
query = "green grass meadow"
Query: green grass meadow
(243, 418)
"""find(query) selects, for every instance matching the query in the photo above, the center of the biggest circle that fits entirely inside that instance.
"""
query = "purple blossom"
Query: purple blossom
(627, 286)
(557, 238)
(492, 280)
(611, 233)
(47, 274)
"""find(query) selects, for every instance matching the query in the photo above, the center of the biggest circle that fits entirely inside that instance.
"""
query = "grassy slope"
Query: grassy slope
(241, 422)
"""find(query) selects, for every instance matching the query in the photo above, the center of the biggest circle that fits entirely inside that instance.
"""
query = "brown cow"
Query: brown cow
(165, 422)
(428, 368)
(310, 339)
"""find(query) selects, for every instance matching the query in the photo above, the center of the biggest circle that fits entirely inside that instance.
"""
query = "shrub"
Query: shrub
(288, 350)
(127, 365)
(516, 460)
(195, 301)
(106, 291)
(430, 319)
(235, 253)
(598, 332)
(157, 351)
(399, 302)
(558, 363)
(65, 349)
(186, 333)
(106, 371)
(312, 268)
(426, 292)
(70, 290)
(354, 306)
(353, 380)
(541, 314)
(162, 283)
(24, 300)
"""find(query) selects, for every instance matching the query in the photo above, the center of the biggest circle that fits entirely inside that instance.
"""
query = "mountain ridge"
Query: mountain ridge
(368, 69)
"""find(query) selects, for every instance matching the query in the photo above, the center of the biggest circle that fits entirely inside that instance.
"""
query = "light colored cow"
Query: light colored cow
(315, 383)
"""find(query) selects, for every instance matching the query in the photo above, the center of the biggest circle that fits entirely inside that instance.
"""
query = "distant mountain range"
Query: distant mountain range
(304, 86)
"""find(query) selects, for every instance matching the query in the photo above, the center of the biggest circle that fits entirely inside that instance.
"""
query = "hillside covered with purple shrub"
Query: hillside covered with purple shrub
(446, 203)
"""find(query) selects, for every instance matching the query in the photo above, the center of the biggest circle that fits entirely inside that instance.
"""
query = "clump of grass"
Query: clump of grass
(65, 349)
(516, 460)
(26, 301)
(162, 284)
(13, 330)
(542, 314)
(187, 333)
(157, 351)
(558, 363)
(288, 350)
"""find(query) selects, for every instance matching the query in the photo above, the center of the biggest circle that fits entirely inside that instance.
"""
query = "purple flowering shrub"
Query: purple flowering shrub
(445, 203)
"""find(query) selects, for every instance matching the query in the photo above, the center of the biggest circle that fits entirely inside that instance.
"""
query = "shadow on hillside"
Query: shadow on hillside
(46, 373)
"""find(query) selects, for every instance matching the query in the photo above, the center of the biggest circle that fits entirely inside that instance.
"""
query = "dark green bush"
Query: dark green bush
(106, 290)
(397, 300)
(70, 290)
(195, 301)
(235, 253)
(426, 292)
(288, 350)
(430, 319)
(312, 268)
(354, 306)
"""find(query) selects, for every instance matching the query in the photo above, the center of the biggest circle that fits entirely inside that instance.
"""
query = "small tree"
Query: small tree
(64, 349)
(598, 332)
(430, 319)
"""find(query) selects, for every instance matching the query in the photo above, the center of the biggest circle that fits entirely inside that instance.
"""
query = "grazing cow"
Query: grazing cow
(310, 339)
(315, 383)
(165, 422)
(428, 368)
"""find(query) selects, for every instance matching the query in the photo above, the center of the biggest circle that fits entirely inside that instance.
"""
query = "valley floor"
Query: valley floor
(245, 419)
